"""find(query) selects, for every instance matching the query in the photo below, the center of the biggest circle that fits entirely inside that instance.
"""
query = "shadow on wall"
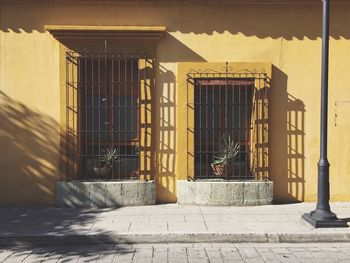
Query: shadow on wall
(29, 150)
(146, 125)
(170, 49)
(166, 141)
(288, 21)
(287, 141)
(292, 20)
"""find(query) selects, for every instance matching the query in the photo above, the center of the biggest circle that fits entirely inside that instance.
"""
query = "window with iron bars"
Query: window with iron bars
(227, 126)
(104, 114)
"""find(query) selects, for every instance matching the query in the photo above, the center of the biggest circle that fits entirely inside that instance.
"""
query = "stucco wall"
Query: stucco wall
(288, 36)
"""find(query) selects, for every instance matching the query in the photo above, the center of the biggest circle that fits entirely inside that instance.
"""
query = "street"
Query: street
(181, 253)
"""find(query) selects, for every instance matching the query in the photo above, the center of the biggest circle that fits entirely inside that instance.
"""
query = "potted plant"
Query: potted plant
(223, 161)
(103, 165)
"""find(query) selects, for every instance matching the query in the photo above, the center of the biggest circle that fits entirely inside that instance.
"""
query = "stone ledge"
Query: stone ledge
(105, 193)
(224, 193)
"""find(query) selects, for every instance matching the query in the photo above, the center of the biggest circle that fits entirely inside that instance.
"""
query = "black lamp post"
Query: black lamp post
(323, 216)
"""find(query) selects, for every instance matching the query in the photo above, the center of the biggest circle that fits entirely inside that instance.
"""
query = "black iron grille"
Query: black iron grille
(227, 113)
(103, 115)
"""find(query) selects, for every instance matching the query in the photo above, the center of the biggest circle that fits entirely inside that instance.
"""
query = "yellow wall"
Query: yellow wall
(288, 36)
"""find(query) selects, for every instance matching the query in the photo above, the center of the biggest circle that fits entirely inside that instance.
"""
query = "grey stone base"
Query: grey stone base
(105, 194)
(224, 193)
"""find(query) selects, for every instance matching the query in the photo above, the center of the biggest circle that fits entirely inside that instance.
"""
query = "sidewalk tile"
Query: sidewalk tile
(184, 210)
(226, 227)
(148, 227)
(131, 218)
(196, 253)
(167, 218)
(211, 218)
(237, 218)
(105, 227)
(194, 218)
(187, 227)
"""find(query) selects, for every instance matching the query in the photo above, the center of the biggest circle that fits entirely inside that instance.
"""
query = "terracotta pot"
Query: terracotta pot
(221, 170)
(102, 171)
(134, 175)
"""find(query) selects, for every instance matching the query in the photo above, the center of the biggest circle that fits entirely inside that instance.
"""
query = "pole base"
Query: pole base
(318, 222)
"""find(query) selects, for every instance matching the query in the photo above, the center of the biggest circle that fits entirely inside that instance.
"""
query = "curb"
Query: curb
(153, 238)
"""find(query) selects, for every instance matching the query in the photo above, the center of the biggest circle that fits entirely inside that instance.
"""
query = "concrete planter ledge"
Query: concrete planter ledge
(105, 193)
(216, 193)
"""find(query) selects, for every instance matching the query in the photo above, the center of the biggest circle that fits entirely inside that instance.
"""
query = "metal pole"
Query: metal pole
(323, 164)
(322, 216)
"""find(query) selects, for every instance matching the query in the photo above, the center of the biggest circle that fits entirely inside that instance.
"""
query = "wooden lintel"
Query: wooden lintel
(106, 32)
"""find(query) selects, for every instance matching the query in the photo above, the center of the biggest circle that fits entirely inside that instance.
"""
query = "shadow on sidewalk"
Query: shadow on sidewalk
(69, 231)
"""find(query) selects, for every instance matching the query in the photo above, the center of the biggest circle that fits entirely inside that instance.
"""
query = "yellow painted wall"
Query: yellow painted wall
(287, 35)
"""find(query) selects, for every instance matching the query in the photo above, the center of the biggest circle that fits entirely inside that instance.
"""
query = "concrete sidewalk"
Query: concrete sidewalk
(166, 224)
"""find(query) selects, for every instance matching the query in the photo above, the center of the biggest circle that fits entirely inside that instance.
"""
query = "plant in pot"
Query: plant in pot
(222, 164)
(102, 166)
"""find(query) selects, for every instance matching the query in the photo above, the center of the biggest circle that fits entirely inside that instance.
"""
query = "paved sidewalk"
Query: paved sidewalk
(165, 224)
(182, 253)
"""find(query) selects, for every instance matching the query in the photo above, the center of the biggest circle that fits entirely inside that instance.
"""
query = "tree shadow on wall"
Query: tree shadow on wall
(288, 21)
(30, 147)
(29, 169)
(287, 141)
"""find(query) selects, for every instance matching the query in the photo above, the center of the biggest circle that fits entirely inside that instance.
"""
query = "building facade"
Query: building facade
(160, 87)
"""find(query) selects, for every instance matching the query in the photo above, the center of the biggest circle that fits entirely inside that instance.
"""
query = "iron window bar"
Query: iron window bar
(103, 112)
(227, 104)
